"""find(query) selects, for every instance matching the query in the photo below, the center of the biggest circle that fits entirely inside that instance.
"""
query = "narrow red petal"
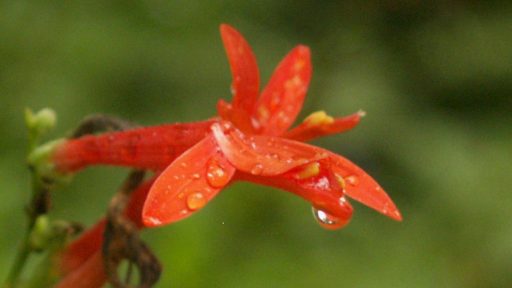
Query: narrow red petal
(363, 188)
(190, 182)
(149, 147)
(262, 155)
(314, 182)
(309, 130)
(282, 98)
(244, 69)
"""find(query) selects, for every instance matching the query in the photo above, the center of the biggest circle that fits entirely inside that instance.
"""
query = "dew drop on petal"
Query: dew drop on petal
(153, 221)
(216, 175)
(352, 180)
(257, 169)
(196, 201)
(327, 220)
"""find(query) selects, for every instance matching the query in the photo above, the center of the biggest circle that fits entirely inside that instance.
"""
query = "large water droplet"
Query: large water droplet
(327, 220)
(216, 175)
(196, 201)
(257, 169)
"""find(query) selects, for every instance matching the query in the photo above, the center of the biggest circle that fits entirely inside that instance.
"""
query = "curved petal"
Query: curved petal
(262, 155)
(282, 98)
(320, 124)
(190, 182)
(313, 182)
(244, 69)
(362, 187)
(90, 274)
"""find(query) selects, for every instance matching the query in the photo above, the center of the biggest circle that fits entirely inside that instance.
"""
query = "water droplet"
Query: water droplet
(233, 90)
(255, 123)
(196, 176)
(153, 221)
(196, 201)
(257, 169)
(352, 180)
(327, 220)
(216, 175)
(183, 164)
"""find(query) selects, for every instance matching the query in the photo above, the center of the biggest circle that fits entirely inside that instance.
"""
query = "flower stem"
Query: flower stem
(38, 124)
(19, 262)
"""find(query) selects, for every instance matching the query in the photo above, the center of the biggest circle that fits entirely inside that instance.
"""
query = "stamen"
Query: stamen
(340, 180)
(310, 170)
(318, 118)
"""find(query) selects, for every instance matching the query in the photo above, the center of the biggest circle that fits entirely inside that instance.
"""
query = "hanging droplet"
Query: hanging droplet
(216, 175)
(196, 201)
(257, 169)
(327, 220)
(352, 180)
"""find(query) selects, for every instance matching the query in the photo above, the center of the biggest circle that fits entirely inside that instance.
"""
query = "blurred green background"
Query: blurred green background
(435, 80)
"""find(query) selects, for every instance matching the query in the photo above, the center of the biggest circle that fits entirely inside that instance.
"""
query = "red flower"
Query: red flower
(250, 144)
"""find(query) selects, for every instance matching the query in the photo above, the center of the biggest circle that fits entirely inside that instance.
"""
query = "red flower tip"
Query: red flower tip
(360, 186)
(282, 98)
(246, 78)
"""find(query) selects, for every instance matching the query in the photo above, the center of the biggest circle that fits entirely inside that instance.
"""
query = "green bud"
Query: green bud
(40, 122)
(40, 234)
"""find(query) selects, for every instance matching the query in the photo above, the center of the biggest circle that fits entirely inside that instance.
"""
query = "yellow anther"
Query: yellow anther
(310, 170)
(318, 118)
(340, 180)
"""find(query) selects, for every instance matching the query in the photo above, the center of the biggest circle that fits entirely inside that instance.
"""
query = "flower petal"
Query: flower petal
(147, 147)
(315, 182)
(282, 98)
(190, 182)
(246, 81)
(90, 274)
(320, 124)
(262, 155)
(363, 188)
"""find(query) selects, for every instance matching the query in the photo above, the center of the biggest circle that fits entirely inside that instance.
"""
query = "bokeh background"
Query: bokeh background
(435, 80)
